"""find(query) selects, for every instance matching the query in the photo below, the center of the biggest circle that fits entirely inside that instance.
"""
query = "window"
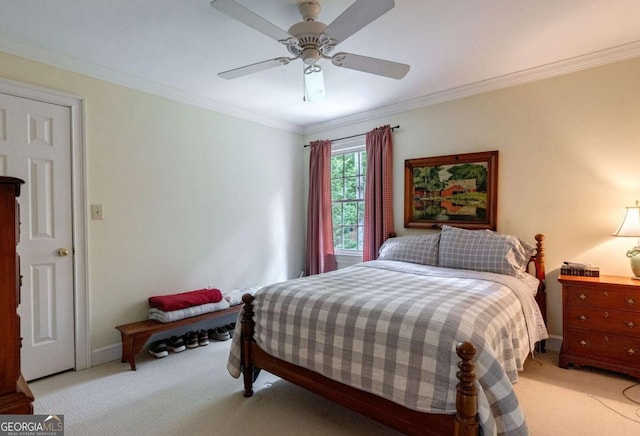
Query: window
(348, 173)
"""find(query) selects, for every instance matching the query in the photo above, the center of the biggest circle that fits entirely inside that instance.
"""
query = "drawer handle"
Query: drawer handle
(584, 343)
(606, 314)
(584, 297)
(630, 301)
(583, 318)
(606, 294)
(631, 351)
(630, 324)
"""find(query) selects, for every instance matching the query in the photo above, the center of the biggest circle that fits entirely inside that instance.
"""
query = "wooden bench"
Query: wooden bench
(136, 334)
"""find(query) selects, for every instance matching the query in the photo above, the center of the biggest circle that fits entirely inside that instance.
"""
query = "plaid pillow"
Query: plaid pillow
(422, 249)
(483, 250)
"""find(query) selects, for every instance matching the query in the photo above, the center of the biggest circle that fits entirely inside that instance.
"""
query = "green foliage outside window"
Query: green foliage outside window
(348, 173)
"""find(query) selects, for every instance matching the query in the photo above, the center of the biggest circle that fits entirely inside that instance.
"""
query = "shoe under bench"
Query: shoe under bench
(136, 334)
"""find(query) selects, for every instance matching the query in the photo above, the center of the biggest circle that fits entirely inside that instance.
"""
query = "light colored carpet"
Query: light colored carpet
(192, 393)
(580, 402)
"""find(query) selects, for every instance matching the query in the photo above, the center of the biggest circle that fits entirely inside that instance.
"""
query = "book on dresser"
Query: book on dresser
(579, 269)
(15, 395)
(601, 323)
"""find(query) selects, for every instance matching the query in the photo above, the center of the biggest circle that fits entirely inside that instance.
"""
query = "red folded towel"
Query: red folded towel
(185, 299)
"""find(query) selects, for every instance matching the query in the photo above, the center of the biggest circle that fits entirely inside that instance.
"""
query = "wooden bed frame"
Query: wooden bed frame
(394, 415)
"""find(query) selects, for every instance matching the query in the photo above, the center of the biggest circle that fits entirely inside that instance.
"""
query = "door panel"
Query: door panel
(35, 145)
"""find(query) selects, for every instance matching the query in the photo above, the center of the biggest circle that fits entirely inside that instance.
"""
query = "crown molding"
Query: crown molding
(590, 60)
(129, 81)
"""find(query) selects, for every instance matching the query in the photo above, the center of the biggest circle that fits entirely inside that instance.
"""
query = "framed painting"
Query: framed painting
(460, 190)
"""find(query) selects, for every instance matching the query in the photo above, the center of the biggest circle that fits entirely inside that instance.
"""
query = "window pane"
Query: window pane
(337, 237)
(336, 214)
(336, 189)
(350, 240)
(360, 213)
(350, 188)
(360, 237)
(350, 213)
(361, 181)
(336, 166)
(363, 162)
(350, 168)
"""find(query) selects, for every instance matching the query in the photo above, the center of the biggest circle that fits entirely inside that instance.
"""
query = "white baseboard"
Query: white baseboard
(554, 343)
(106, 354)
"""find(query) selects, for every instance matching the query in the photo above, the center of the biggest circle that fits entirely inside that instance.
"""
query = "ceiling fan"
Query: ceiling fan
(311, 40)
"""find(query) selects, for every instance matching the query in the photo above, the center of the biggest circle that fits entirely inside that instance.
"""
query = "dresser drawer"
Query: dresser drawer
(624, 349)
(610, 298)
(602, 319)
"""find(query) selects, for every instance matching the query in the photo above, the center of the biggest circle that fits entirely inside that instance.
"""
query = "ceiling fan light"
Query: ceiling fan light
(314, 86)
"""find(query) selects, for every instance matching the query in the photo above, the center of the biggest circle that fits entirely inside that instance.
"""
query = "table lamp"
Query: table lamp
(630, 226)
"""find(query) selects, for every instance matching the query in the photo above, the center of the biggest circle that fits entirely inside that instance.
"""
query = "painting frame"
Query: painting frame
(470, 203)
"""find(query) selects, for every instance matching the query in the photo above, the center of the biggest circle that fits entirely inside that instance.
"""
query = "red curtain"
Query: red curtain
(378, 200)
(320, 255)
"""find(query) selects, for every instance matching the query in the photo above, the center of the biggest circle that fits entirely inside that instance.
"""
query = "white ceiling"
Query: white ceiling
(455, 47)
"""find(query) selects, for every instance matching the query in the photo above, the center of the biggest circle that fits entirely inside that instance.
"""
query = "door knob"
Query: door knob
(63, 252)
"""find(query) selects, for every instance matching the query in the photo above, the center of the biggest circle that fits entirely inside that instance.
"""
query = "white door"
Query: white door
(35, 145)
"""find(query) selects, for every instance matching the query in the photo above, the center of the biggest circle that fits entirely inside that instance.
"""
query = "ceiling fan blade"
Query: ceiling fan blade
(238, 12)
(253, 68)
(357, 16)
(380, 67)
(314, 86)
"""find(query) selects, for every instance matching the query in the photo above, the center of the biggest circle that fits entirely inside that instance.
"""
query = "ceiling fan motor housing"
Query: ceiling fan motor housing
(309, 42)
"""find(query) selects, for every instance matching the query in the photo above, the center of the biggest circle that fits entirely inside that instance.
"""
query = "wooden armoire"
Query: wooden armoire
(15, 396)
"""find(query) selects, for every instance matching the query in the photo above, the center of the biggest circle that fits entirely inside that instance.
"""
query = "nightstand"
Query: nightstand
(601, 323)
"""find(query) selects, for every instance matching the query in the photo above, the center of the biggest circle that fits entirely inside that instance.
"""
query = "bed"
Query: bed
(428, 339)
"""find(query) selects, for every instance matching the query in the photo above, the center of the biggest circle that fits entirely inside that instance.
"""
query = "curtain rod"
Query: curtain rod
(354, 136)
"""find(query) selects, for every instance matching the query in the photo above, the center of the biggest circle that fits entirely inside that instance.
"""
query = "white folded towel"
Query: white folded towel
(189, 312)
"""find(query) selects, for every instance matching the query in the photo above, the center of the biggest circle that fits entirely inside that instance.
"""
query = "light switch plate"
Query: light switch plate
(97, 213)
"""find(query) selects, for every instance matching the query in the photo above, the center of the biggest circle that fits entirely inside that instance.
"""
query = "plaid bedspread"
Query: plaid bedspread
(391, 328)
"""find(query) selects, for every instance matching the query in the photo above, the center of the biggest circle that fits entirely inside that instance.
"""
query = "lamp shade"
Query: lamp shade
(630, 225)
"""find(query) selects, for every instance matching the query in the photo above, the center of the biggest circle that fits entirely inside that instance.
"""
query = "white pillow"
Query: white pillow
(483, 250)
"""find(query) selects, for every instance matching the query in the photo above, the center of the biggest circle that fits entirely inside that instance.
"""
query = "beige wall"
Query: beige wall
(569, 160)
(191, 198)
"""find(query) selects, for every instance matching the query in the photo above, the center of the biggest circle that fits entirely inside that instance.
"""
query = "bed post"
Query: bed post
(246, 339)
(539, 260)
(466, 420)
(541, 295)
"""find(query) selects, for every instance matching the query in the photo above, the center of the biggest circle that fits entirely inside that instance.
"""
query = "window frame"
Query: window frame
(354, 145)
